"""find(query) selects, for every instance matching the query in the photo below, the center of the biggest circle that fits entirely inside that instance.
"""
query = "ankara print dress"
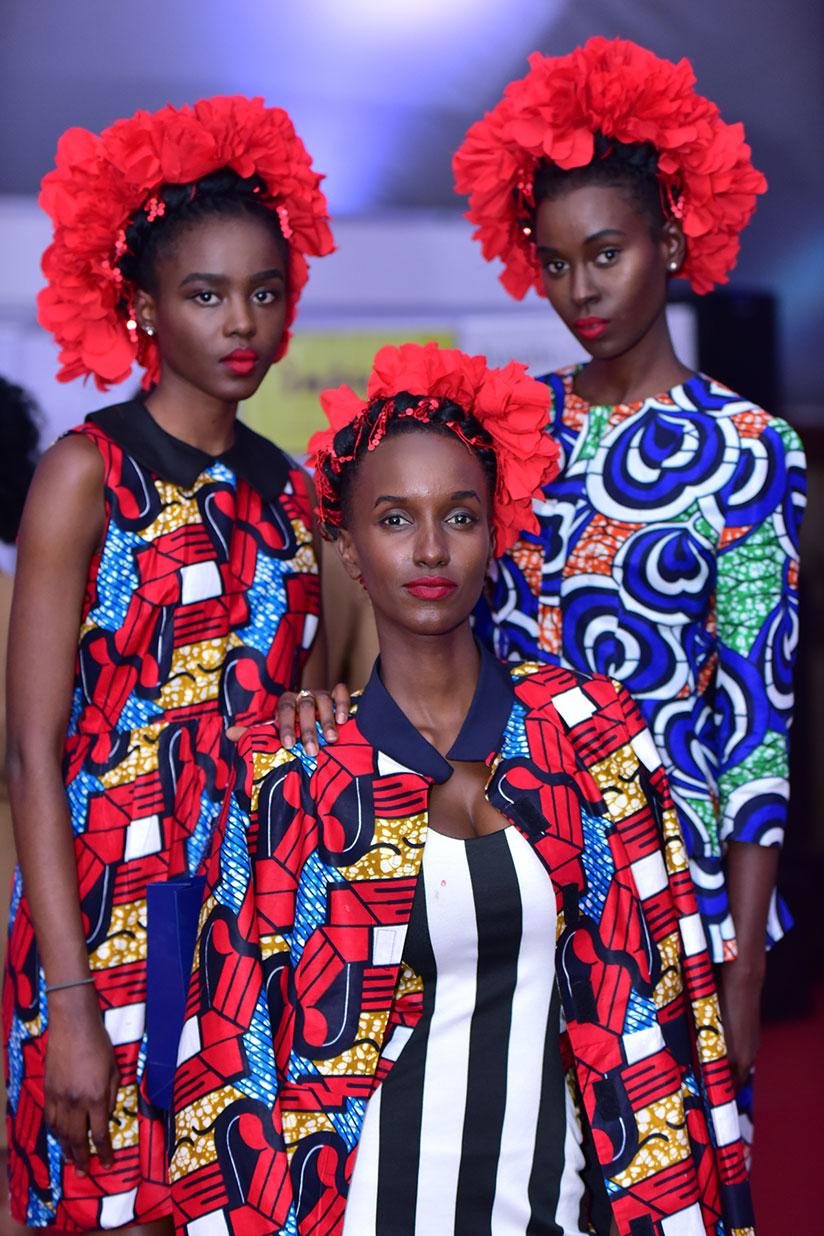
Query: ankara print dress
(667, 558)
(305, 983)
(201, 605)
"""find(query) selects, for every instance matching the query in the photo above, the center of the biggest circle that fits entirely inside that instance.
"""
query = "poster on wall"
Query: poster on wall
(285, 407)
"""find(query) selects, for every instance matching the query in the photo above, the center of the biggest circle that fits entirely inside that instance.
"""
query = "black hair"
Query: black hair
(19, 449)
(621, 165)
(223, 193)
(443, 418)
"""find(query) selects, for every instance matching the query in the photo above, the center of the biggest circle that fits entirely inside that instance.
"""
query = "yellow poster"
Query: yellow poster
(285, 407)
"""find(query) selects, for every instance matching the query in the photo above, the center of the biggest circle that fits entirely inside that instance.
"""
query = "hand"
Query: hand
(739, 991)
(330, 709)
(81, 1077)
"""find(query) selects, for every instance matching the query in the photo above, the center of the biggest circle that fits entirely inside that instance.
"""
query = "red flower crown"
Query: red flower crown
(100, 182)
(511, 408)
(626, 93)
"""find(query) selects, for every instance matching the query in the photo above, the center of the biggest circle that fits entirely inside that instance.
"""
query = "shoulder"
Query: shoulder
(260, 751)
(576, 697)
(71, 466)
(750, 419)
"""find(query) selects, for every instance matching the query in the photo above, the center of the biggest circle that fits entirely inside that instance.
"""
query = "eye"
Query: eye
(395, 519)
(555, 267)
(462, 519)
(607, 256)
(205, 297)
(268, 296)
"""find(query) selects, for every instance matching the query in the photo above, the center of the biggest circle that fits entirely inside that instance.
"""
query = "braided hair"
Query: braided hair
(388, 418)
(632, 167)
(152, 233)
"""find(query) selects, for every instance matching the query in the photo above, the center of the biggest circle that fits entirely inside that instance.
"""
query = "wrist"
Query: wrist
(73, 1002)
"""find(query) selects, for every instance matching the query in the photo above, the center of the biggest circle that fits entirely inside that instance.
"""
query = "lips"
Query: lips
(590, 328)
(430, 587)
(242, 361)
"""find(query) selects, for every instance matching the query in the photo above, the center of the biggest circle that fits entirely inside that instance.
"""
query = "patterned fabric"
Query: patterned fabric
(298, 984)
(668, 558)
(200, 606)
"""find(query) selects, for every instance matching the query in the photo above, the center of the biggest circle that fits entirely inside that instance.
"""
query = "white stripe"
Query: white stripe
(571, 1191)
(450, 909)
(362, 1203)
(530, 1009)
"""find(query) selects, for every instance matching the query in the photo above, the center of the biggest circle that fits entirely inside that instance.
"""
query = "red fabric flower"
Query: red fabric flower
(510, 406)
(100, 182)
(624, 92)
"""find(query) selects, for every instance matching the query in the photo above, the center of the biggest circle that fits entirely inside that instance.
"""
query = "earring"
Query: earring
(673, 265)
(149, 330)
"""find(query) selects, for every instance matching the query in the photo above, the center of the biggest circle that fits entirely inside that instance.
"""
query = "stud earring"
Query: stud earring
(673, 265)
(149, 330)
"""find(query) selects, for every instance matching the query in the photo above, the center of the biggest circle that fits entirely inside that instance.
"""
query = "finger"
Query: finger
(78, 1137)
(343, 702)
(307, 716)
(236, 732)
(99, 1126)
(286, 718)
(326, 715)
(114, 1086)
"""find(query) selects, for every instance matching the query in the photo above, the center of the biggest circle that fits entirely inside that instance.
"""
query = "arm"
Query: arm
(62, 524)
(329, 708)
(756, 602)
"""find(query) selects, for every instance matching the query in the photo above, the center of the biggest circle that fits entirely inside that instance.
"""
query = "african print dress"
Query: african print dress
(667, 558)
(201, 605)
(308, 977)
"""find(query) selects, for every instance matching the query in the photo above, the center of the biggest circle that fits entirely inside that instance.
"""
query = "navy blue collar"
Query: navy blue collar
(252, 457)
(386, 728)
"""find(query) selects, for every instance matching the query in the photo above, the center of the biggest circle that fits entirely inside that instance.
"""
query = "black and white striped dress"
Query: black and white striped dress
(474, 1132)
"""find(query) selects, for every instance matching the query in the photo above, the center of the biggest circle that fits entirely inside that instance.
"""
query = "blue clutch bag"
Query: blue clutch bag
(172, 911)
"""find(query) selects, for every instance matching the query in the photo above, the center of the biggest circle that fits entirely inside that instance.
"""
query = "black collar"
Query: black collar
(252, 457)
(386, 728)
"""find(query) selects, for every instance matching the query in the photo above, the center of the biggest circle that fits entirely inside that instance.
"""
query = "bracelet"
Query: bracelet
(63, 986)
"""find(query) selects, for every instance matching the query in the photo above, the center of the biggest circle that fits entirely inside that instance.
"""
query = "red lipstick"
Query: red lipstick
(431, 587)
(242, 361)
(590, 328)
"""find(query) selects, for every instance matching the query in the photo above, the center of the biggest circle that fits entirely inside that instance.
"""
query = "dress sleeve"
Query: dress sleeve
(757, 635)
(228, 1129)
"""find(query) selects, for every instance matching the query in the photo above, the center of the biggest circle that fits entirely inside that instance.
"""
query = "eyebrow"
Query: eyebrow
(205, 277)
(606, 231)
(458, 496)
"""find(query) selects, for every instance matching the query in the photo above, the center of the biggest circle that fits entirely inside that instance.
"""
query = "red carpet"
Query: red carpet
(789, 1101)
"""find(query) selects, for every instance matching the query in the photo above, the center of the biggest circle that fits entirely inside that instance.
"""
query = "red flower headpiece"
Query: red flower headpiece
(627, 93)
(511, 408)
(100, 182)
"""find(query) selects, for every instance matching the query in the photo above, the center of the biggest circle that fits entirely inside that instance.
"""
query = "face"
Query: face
(218, 305)
(603, 270)
(418, 532)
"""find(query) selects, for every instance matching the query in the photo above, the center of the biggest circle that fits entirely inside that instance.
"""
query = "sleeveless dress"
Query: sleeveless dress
(201, 605)
(474, 1129)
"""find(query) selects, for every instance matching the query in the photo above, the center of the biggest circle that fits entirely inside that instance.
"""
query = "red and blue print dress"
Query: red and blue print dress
(200, 608)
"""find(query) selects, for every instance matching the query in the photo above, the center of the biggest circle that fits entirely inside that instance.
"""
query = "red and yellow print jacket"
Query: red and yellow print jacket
(299, 981)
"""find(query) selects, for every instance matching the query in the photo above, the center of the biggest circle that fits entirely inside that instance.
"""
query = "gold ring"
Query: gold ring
(303, 694)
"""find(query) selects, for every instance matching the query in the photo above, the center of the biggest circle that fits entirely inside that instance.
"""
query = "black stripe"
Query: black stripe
(550, 1133)
(499, 920)
(402, 1093)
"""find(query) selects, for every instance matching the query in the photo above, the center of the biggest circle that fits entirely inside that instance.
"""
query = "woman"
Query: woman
(667, 549)
(485, 856)
(167, 587)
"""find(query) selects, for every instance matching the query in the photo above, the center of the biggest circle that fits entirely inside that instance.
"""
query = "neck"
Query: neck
(193, 416)
(648, 368)
(432, 679)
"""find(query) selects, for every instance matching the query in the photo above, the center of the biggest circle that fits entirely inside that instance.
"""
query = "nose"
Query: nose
(582, 287)
(240, 319)
(431, 544)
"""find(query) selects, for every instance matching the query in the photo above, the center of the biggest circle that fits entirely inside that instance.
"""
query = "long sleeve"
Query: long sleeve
(757, 635)
(229, 1147)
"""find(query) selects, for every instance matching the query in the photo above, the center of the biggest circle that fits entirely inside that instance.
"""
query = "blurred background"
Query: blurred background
(382, 91)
